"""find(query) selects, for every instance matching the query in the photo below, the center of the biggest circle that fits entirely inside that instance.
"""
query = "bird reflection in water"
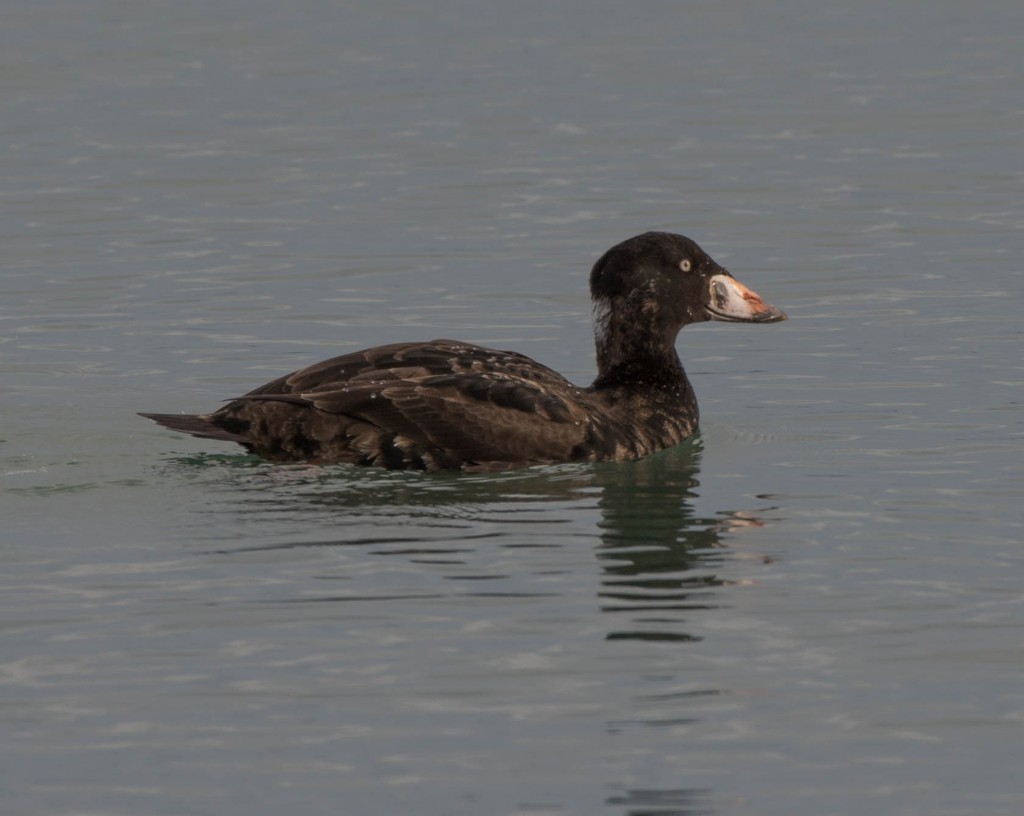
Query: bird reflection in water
(659, 558)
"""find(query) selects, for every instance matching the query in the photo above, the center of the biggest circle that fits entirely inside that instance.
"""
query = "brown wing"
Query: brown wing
(444, 403)
(393, 361)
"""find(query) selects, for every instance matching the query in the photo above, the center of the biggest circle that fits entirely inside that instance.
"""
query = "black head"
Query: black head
(648, 287)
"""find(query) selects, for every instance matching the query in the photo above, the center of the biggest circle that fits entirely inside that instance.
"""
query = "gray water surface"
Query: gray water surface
(813, 608)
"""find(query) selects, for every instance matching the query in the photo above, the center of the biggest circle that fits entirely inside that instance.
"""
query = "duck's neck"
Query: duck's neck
(628, 358)
(661, 373)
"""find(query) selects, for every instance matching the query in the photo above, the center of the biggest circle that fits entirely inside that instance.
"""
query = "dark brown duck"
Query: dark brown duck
(450, 405)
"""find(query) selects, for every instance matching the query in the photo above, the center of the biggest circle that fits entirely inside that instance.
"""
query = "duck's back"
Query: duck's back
(435, 405)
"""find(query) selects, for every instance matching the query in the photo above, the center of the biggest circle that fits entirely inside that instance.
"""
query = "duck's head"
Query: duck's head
(648, 287)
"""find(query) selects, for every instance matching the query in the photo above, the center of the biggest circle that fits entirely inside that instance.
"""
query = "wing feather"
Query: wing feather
(436, 400)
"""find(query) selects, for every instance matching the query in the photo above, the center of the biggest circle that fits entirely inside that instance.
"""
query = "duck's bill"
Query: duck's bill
(731, 301)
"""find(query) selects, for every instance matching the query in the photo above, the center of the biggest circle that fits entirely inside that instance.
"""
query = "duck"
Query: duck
(447, 405)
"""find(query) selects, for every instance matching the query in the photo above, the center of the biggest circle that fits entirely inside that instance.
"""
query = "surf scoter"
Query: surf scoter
(449, 405)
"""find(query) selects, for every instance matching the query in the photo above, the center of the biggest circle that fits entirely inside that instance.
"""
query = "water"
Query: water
(813, 609)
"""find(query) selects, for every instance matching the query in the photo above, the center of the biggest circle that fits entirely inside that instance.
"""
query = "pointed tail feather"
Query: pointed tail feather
(195, 424)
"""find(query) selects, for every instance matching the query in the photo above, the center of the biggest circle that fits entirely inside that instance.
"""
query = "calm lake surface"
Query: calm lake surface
(814, 608)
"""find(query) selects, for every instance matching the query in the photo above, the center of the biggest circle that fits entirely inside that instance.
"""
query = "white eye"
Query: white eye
(685, 264)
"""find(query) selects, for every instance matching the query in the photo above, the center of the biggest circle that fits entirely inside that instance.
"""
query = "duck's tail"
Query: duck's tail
(200, 425)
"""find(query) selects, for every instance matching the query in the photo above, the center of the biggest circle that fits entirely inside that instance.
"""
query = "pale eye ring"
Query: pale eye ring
(685, 265)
